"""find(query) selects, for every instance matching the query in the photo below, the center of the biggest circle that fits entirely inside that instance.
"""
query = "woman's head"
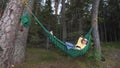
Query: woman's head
(84, 41)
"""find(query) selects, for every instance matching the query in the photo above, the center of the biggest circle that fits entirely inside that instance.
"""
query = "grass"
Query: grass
(42, 58)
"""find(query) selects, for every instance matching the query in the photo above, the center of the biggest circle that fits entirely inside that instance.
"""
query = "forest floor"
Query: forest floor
(54, 58)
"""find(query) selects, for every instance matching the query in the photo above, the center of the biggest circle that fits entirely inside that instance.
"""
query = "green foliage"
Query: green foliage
(73, 37)
(101, 20)
(78, 16)
(93, 54)
(76, 10)
(45, 15)
(34, 40)
(3, 4)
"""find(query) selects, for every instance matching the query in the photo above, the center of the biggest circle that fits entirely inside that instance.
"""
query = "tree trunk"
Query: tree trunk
(8, 29)
(21, 39)
(47, 40)
(101, 32)
(56, 6)
(64, 34)
(80, 27)
(105, 33)
(95, 27)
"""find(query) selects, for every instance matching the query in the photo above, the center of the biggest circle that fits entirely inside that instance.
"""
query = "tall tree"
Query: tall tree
(64, 33)
(56, 6)
(48, 13)
(94, 21)
(21, 39)
(8, 29)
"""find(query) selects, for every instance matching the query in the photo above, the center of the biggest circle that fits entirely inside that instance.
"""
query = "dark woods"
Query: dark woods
(77, 19)
(109, 20)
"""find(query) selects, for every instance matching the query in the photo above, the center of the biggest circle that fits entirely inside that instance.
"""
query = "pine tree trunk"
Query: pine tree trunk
(47, 39)
(95, 27)
(21, 39)
(80, 27)
(64, 34)
(105, 33)
(8, 29)
(56, 6)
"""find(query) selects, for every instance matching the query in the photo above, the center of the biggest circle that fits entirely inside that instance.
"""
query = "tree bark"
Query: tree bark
(95, 27)
(56, 6)
(8, 29)
(105, 33)
(64, 34)
(47, 39)
(21, 39)
(80, 27)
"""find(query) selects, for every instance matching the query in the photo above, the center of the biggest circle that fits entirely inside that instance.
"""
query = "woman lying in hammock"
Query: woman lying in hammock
(80, 44)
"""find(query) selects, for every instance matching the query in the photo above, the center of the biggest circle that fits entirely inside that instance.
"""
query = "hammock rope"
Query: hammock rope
(61, 45)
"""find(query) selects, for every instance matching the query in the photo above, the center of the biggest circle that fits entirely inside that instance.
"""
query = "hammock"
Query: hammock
(71, 52)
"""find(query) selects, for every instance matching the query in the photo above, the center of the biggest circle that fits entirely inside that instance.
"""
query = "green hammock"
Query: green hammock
(25, 19)
(71, 52)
